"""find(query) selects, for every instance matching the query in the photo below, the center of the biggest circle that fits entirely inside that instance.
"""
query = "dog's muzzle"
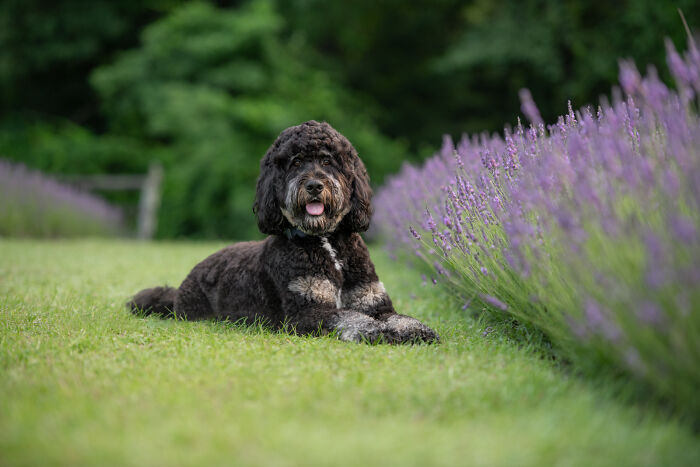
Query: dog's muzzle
(314, 205)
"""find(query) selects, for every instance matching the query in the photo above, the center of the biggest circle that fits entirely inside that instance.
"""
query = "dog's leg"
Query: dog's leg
(312, 305)
(347, 325)
(364, 293)
(357, 327)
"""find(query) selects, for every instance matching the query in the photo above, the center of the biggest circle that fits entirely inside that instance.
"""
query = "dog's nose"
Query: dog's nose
(314, 187)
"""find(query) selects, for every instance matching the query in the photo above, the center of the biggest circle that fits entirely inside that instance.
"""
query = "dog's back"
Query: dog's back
(230, 279)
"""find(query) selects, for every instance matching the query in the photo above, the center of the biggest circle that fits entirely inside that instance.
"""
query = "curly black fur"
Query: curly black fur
(313, 273)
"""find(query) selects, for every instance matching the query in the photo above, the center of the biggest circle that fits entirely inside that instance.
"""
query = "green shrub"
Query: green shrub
(213, 88)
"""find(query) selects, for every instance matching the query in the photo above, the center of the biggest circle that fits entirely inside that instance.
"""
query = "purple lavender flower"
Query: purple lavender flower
(684, 229)
(36, 205)
(593, 314)
(680, 69)
(493, 301)
(415, 234)
(650, 313)
(629, 79)
(527, 105)
(603, 205)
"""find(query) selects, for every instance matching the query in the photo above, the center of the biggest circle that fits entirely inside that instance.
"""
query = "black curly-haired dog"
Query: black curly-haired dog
(313, 273)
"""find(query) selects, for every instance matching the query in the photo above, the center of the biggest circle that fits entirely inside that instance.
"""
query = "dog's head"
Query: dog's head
(312, 179)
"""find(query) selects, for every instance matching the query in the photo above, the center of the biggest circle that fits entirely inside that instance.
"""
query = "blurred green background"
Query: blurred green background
(93, 87)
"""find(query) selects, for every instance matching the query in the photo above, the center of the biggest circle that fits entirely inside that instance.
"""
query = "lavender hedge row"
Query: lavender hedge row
(588, 229)
(34, 205)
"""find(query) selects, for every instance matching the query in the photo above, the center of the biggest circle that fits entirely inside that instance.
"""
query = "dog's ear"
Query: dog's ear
(357, 219)
(267, 206)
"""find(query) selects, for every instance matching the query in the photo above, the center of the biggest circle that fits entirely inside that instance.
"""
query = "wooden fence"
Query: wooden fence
(149, 199)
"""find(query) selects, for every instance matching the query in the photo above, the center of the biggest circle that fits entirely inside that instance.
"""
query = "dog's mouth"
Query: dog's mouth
(315, 208)
(314, 213)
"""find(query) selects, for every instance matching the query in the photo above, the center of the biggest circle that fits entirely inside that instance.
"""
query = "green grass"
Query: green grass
(82, 382)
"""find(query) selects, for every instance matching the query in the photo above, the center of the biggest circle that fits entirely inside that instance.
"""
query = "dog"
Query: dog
(313, 273)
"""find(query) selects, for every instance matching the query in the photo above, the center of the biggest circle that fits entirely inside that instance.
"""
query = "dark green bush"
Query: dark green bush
(214, 88)
(109, 86)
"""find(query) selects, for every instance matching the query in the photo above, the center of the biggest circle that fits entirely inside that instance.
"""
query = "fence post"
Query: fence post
(149, 201)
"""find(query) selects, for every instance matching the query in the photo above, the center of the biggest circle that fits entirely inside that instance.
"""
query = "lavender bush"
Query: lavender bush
(588, 229)
(32, 204)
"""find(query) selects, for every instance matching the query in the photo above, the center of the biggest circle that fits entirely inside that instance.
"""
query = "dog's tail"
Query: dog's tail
(156, 301)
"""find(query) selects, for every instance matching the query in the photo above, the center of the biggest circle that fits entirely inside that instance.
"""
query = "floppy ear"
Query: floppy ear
(266, 206)
(357, 219)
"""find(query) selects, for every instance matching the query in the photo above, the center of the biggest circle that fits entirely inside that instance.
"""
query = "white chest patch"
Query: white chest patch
(316, 289)
(331, 251)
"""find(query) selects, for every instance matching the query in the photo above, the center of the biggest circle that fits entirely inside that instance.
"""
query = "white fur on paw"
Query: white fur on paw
(405, 329)
(355, 326)
(402, 323)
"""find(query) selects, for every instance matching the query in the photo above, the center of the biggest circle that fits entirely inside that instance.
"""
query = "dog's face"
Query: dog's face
(317, 195)
(311, 179)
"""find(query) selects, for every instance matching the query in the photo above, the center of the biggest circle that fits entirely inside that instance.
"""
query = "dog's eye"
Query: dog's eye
(326, 161)
(296, 162)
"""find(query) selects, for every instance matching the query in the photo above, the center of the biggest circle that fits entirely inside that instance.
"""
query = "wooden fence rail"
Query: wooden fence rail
(148, 185)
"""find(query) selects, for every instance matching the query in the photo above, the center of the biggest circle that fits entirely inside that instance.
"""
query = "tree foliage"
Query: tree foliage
(206, 92)
(453, 66)
(205, 87)
(216, 87)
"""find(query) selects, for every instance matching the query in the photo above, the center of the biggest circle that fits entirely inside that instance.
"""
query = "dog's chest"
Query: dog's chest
(333, 275)
(332, 254)
(327, 258)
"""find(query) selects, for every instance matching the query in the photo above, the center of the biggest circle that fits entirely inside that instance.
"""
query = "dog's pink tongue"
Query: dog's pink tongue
(315, 209)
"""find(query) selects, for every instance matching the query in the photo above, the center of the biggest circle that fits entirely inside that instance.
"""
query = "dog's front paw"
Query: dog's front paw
(358, 327)
(404, 329)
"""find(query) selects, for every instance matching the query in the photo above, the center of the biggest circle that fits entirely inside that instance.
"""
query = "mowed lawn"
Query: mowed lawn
(83, 382)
